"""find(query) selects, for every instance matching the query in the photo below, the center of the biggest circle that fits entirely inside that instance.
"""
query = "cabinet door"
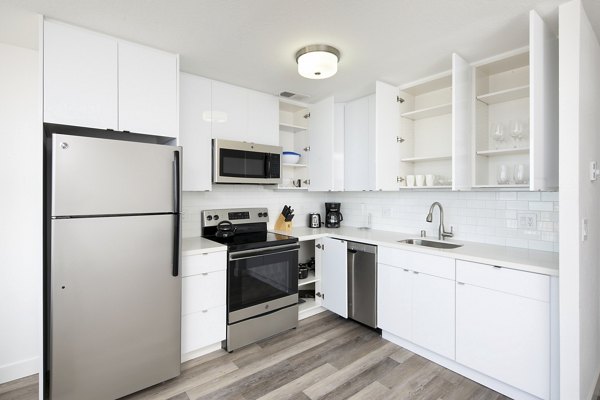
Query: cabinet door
(462, 121)
(148, 90)
(229, 112)
(394, 293)
(356, 144)
(321, 134)
(433, 313)
(202, 329)
(334, 275)
(263, 118)
(195, 131)
(387, 125)
(80, 77)
(543, 105)
(504, 336)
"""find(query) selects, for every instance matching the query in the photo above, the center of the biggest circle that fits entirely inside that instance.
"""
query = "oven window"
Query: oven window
(258, 279)
(233, 163)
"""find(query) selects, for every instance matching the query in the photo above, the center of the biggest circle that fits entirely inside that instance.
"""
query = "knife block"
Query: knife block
(282, 225)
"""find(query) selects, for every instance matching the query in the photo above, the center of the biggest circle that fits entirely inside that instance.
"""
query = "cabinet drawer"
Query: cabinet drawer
(204, 291)
(205, 262)
(520, 283)
(442, 267)
(202, 329)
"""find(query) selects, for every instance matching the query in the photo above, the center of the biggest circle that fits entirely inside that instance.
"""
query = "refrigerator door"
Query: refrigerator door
(92, 176)
(115, 305)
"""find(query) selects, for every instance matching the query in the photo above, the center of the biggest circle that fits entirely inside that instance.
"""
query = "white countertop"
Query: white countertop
(541, 262)
(199, 245)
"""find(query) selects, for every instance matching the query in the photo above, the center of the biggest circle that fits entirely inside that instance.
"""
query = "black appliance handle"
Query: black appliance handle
(177, 198)
(267, 165)
(341, 216)
(265, 251)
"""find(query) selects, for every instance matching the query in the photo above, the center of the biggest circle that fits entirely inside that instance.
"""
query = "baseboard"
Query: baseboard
(200, 352)
(452, 365)
(20, 369)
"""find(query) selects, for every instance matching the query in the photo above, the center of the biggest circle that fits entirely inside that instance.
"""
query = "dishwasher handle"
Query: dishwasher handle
(351, 280)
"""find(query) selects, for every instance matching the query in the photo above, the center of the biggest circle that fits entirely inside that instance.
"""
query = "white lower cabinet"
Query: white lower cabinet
(503, 325)
(331, 256)
(204, 286)
(415, 299)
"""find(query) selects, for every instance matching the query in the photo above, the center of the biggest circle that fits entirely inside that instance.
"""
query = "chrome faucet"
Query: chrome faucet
(442, 234)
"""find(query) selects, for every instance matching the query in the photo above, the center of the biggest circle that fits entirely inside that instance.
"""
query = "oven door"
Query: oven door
(241, 162)
(261, 280)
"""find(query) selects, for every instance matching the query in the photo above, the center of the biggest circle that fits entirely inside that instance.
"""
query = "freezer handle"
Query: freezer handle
(352, 279)
(177, 197)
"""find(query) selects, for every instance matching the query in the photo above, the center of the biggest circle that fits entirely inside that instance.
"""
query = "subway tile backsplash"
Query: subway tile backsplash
(488, 217)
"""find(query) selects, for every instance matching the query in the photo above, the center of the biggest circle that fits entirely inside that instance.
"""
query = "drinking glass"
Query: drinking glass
(497, 133)
(516, 131)
(503, 176)
(521, 174)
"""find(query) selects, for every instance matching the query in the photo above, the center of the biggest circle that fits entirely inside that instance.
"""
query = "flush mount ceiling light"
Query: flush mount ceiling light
(317, 61)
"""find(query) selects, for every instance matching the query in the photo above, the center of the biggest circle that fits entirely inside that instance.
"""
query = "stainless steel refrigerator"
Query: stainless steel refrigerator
(112, 282)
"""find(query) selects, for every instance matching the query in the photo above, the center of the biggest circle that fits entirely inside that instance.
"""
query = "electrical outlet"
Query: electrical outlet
(594, 171)
(584, 229)
(527, 220)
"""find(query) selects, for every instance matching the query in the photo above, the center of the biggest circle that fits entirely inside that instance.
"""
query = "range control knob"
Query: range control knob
(209, 217)
(260, 215)
(265, 214)
(216, 217)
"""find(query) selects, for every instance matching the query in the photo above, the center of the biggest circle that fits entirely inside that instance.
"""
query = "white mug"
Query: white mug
(410, 180)
(420, 180)
(430, 180)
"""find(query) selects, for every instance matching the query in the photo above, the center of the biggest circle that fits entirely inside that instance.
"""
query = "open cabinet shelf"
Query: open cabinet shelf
(505, 95)
(427, 158)
(293, 136)
(428, 112)
(500, 152)
(293, 128)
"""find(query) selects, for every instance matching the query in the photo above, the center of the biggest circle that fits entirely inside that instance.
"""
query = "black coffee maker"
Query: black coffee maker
(333, 216)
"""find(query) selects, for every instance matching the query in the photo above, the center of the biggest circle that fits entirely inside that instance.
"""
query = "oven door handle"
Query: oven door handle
(242, 255)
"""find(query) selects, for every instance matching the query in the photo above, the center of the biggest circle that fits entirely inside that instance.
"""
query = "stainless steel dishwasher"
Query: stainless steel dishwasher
(362, 283)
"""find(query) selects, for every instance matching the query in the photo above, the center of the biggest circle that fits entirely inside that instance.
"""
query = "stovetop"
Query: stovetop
(254, 240)
(251, 229)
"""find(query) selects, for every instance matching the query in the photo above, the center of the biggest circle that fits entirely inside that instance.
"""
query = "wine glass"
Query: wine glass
(497, 133)
(516, 131)
(503, 176)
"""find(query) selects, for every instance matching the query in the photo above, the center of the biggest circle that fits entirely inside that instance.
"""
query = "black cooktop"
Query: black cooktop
(254, 240)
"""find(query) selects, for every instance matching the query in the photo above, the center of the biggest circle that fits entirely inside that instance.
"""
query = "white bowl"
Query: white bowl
(289, 157)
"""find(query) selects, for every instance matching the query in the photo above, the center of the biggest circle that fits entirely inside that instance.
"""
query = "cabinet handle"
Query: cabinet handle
(205, 273)
(405, 270)
(204, 254)
(204, 311)
(460, 283)
(497, 267)
(415, 272)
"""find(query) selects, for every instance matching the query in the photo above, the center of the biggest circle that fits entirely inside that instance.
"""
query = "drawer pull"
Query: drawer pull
(405, 270)
(460, 283)
(415, 272)
(497, 267)
(205, 273)
(204, 311)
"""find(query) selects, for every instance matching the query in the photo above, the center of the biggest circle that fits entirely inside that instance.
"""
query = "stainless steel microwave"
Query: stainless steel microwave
(249, 163)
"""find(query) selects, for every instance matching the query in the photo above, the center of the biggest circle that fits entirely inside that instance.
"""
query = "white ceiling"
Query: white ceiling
(252, 43)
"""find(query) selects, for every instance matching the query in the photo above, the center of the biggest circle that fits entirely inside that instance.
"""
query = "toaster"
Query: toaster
(314, 220)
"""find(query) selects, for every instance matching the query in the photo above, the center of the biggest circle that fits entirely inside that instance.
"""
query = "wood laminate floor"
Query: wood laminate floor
(326, 357)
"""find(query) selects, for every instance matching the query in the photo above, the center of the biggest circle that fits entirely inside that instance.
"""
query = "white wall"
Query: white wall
(20, 202)
(579, 86)
(488, 217)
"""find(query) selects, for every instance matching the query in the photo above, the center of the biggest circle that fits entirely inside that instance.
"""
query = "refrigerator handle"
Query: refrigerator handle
(177, 198)
(352, 279)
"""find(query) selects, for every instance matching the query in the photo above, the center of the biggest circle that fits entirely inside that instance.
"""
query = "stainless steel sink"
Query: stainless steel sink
(431, 243)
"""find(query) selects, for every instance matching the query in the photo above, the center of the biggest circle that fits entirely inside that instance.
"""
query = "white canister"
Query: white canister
(430, 180)
(410, 180)
(420, 180)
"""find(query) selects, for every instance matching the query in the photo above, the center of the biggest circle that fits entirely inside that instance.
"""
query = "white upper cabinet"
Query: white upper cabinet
(516, 115)
(324, 142)
(148, 90)
(97, 81)
(462, 122)
(263, 118)
(229, 112)
(80, 77)
(195, 131)
(244, 115)
(371, 141)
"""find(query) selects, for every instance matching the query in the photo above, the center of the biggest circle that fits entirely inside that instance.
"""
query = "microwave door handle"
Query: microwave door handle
(267, 165)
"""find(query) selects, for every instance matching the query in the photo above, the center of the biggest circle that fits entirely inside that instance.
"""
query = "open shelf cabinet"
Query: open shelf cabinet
(312, 284)
(293, 136)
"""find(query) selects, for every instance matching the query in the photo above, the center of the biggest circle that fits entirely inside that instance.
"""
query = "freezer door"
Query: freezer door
(93, 176)
(115, 306)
